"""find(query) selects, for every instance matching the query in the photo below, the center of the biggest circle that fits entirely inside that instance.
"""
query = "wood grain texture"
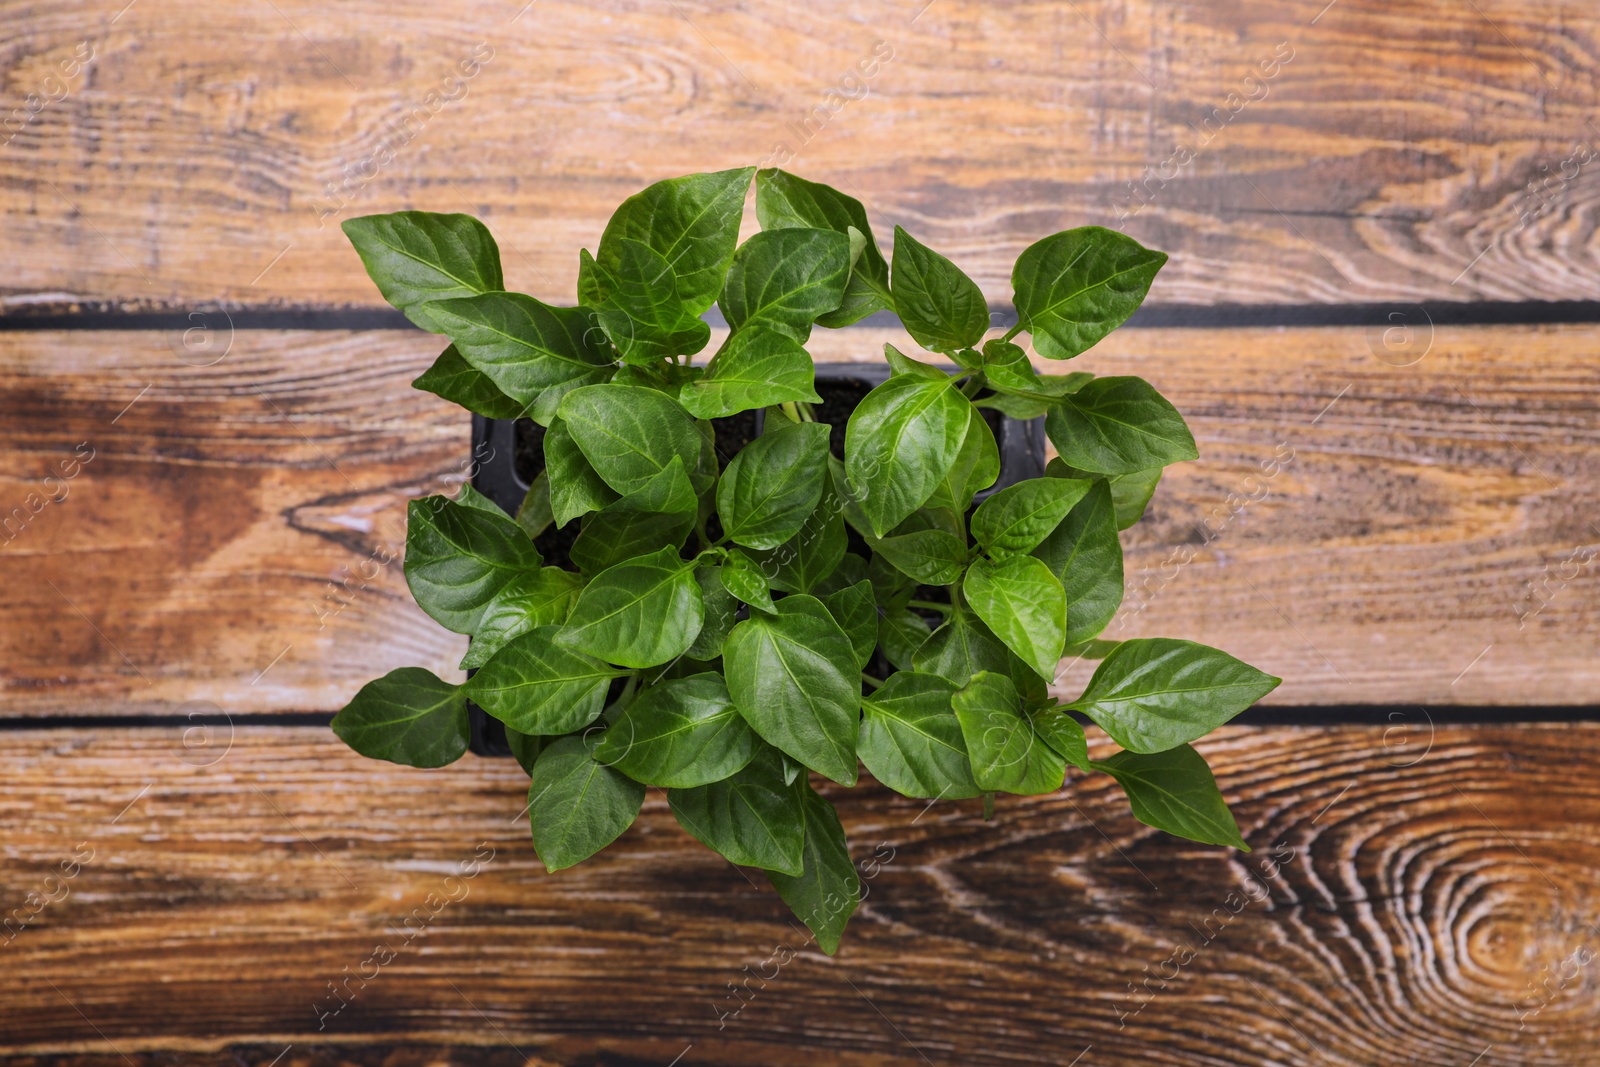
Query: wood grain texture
(1427, 889)
(1434, 518)
(209, 156)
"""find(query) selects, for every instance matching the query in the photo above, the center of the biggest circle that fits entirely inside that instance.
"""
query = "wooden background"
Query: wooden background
(1383, 266)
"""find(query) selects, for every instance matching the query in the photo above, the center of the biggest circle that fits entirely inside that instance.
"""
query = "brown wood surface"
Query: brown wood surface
(1423, 540)
(1432, 885)
(191, 160)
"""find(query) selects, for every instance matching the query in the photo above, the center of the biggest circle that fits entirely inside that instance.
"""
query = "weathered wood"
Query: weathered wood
(210, 158)
(1429, 513)
(1413, 897)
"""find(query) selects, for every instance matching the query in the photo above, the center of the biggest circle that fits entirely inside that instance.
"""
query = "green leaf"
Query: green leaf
(911, 739)
(533, 598)
(418, 256)
(692, 221)
(976, 468)
(577, 805)
(721, 612)
(744, 580)
(1130, 493)
(638, 304)
(755, 367)
(939, 306)
(535, 686)
(825, 894)
(576, 488)
(900, 443)
(525, 748)
(629, 433)
(901, 632)
(962, 647)
(680, 734)
(793, 676)
(619, 533)
(1085, 554)
(785, 279)
(783, 200)
(1074, 287)
(1175, 791)
(471, 498)
(755, 818)
(1154, 694)
(797, 565)
(1061, 732)
(522, 345)
(459, 558)
(856, 612)
(641, 613)
(671, 491)
(1006, 367)
(900, 363)
(1014, 520)
(1023, 408)
(1005, 751)
(534, 515)
(1022, 603)
(459, 382)
(932, 557)
(408, 716)
(774, 484)
(1118, 425)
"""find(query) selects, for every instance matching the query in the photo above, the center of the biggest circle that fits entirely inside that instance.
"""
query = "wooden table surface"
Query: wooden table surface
(1382, 216)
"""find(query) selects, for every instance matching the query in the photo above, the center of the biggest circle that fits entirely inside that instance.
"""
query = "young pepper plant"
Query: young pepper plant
(713, 633)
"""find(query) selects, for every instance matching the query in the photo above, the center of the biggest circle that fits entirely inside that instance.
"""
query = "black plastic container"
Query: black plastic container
(510, 454)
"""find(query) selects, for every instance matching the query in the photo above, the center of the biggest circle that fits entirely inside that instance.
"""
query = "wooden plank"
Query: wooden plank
(1411, 898)
(1393, 145)
(1427, 536)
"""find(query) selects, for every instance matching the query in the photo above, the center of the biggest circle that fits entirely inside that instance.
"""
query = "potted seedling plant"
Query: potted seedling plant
(733, 617)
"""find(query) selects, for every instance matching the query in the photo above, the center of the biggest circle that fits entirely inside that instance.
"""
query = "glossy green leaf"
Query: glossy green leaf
(932, 557)
(976, 468)
(671, 490)
(826, 892)
(628, 433)
(525, 748)
(1061, 732)
(472, 498)
(1175, 791)
(900, 443)
(538, 687)
(756, 367)
(408, 716)
(1130, 493)
(692, 221)
(721, 613)
(942, 308)
(576, 488)
(523, 345)
(1022, 604)
(785, 279)
(774, 484)
(1006, 367)
(641, 613)
(459, 382)
(783, 200)
(797, 565)
(900, 363)
(680, 734)
(743, 578)
(459, 558)
(1085, 554)
(911, 740)
(418, 256)
(576, 804)
(1014, 520)
(856, 612)
(1005, 752)
(637, 303)
(531, 599)
(617, 534)
(793, 676)
(754, 818)
(1074, 287)
(902, 632)
(962, 647)
(535, 515)
(1118, 425)
(1154, 694)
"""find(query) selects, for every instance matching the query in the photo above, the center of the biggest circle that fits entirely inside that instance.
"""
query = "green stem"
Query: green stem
(806, 414)
(870, 680)
(1013, 331)
(988, 806)
(789, 409)
(973, 386)
(931, 605)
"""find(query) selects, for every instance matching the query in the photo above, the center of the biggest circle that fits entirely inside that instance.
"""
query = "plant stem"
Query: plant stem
(870, 680)
(973, 386)
(988, 806)
(1013, 331)
(931, 605)
(790, 410)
